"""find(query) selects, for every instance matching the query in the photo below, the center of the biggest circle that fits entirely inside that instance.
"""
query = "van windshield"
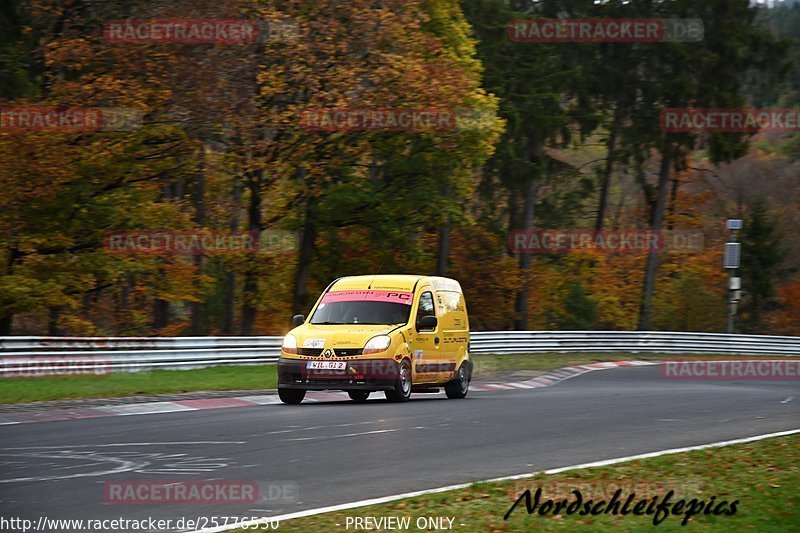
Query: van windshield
(361, 312)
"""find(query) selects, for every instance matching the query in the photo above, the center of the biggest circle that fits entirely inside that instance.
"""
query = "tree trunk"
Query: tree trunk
(52, 322)
(525, 260)
(250, 287)
(673, 203)
(160, 313)
(122, 304)
(230, 276)
(533, 156)
(443, 251)
(606, 185)
(248, 309)
(170, 190)
(5, 325)
(198, 200)
(513, 216)
(300, 293)
(654, 255)
(649, 192)
(7, 321)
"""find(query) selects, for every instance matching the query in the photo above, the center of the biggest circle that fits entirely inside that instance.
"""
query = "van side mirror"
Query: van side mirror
(298, 320)
(428, 322)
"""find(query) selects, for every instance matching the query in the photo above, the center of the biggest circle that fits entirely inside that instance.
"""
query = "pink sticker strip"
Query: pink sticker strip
(369, 296)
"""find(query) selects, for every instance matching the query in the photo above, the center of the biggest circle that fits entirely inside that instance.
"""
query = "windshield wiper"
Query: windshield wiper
(379, 323)
(358, 323)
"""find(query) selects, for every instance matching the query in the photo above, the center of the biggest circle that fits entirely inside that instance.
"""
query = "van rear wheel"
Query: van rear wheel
(358, 396)
(291, 396)
(402, 385)
(458, 387)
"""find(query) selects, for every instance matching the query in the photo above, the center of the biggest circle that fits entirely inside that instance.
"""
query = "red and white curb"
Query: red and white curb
(551, 378)
(151, 408)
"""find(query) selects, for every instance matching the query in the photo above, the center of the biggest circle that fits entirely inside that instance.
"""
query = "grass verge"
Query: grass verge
(220, 378)
(487, 367)
(763, 476)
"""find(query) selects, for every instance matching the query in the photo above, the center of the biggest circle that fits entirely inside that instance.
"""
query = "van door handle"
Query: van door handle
(436, 340)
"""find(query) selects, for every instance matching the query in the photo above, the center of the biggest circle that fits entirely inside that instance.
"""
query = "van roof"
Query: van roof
(392, 282)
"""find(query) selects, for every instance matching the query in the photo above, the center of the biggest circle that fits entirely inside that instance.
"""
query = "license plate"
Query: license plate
(326, 365)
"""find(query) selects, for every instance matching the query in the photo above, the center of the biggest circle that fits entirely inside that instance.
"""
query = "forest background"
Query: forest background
(550, 136)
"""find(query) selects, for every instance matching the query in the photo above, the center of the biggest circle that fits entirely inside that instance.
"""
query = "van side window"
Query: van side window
(426, 307)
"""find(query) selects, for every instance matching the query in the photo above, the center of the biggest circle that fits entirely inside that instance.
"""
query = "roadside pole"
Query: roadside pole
(733, 252)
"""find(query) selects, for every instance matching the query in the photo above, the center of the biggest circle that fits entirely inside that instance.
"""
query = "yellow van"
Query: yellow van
(393, 333)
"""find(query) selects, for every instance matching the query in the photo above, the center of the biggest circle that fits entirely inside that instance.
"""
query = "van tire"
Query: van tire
(402, 385)
(358, 396)
(291, 396)
(458, 387)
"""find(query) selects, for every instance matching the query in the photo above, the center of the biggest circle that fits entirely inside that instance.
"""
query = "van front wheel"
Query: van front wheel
(291, 396)
(458, 387)
(402, 385)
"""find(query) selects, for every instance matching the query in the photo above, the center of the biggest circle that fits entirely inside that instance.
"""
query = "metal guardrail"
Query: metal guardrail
(672, 342)
(54, 355)
(46, 355)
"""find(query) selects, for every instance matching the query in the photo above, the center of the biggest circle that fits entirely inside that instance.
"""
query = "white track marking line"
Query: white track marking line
(385, 499)
(345, 435)
(124, 466)
(148, 408)
(124, 444)
(720, 444)
(262, 399)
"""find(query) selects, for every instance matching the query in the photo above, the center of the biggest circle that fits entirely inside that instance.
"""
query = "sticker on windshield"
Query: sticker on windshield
(313, 343)
(395, 297)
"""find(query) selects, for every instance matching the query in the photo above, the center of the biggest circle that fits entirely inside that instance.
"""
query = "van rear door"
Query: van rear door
(454, 328)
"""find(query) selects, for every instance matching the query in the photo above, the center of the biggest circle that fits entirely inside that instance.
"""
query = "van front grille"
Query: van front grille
(348, 352)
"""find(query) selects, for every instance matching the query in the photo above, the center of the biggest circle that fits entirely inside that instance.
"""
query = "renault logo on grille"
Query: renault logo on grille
(327, 354)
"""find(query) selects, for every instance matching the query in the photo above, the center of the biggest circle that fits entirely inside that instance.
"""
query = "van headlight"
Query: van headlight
(377, 344)
(289, 344)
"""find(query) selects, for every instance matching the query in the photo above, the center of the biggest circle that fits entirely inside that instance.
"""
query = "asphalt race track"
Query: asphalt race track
(335, 452)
